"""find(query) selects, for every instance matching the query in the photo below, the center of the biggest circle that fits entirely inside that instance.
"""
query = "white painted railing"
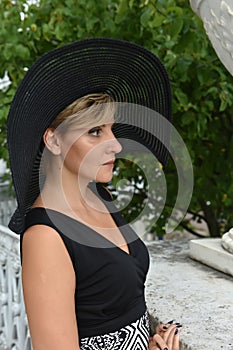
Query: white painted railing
(7, 207)
(14, 332)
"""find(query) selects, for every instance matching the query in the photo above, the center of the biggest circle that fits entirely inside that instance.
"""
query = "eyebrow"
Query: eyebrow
(103, 125)
(108, 124)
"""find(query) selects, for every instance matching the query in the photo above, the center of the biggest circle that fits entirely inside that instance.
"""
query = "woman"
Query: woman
(83, 267)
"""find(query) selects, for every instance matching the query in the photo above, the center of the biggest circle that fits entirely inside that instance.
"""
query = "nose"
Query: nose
(113, 145)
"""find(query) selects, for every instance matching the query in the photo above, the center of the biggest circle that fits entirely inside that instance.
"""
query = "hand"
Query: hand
(166, 338)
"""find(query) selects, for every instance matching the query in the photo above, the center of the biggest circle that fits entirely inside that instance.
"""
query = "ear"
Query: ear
(52, 141)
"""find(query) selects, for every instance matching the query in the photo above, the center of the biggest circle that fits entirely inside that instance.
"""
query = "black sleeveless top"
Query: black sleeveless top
(109, 282)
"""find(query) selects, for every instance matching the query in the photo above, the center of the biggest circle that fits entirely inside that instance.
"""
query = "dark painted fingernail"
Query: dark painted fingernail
(176, 331)
(177, 323)
(179, 326)
(164, 327)
(165, 349)
(170, 322)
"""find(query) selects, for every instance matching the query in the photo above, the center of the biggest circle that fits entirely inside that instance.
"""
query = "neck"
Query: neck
(64, 191)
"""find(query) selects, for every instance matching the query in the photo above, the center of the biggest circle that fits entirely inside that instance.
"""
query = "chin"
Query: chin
(104, 178)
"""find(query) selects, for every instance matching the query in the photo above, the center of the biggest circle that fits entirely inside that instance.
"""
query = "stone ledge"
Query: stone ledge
(191, 293)
(210, 252)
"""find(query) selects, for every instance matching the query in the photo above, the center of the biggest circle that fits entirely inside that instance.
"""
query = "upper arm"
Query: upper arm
(49, 286)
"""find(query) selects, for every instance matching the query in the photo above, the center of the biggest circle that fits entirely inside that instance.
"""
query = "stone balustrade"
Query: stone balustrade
(191, 293)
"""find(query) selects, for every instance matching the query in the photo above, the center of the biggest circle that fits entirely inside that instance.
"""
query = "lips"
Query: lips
(110, 162)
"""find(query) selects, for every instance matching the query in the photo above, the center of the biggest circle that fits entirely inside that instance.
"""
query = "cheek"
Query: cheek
(71, 157)
(81, 158)
(82, 154)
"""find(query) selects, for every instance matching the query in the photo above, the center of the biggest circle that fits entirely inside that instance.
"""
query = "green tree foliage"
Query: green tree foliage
(202, 88)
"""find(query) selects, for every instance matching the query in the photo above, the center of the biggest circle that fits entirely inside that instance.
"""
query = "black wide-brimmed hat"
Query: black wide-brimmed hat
(124, 70)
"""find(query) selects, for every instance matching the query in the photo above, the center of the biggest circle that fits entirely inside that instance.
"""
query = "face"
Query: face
(90, 153)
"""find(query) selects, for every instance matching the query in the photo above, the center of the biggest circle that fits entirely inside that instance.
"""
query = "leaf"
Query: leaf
(8, 51)
(175, 21)
(122, 11)
(225, 99)
(182, 68)
(22, 51)
(181, 97)
(174, 28)
(145, 17)
(60, 31)
(185, 42)
(157, 21)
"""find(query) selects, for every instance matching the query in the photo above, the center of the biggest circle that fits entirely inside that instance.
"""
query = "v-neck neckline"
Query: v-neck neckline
(113, 245)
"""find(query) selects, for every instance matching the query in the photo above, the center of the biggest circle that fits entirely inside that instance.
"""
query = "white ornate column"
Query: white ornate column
(217, 17)
(227, 241)
(14, 332)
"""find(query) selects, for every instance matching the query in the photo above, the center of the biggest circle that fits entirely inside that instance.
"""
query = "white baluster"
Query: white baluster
(14, 331)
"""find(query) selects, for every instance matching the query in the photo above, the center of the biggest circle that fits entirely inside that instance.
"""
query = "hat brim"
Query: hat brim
(126, 71)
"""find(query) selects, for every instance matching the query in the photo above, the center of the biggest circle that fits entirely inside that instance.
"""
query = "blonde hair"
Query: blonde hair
(88, 111)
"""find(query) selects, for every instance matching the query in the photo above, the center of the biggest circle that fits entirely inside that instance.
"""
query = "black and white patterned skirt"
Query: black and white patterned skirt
(132, 337)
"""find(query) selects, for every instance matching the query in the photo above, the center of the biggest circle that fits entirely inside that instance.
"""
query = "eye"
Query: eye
(95, 131)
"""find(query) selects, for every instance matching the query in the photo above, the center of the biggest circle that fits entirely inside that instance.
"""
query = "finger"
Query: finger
(162, 327)
(159, 342)
(152, 345)
(166, 327)
(170, 338)
(169, 332)
(176, 339)
(170, 322)
(173, 339)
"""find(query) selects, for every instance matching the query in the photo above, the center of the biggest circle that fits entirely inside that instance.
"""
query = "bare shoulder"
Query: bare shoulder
(49, 286)
(46, 260)
(41, 246)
